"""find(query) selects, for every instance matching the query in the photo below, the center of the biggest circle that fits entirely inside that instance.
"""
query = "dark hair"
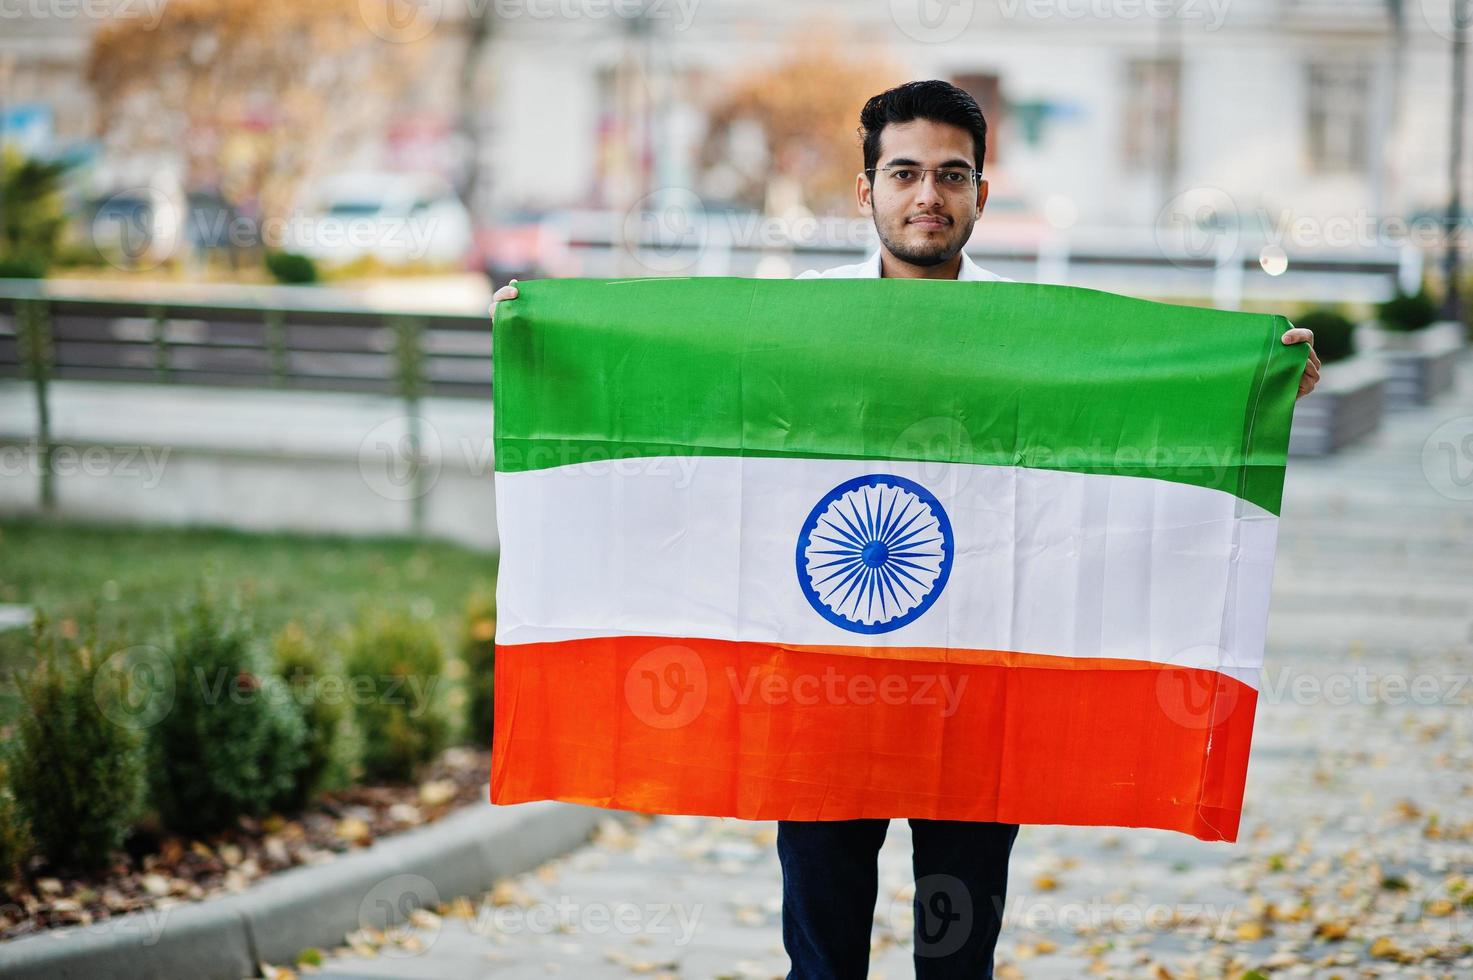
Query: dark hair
(935, 100)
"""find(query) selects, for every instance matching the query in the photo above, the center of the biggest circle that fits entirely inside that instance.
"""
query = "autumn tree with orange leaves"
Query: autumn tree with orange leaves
(253, 95)
(807, 108)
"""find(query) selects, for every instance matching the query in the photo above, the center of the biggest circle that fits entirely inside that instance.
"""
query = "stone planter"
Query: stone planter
(1345, 407)
(1419, 363)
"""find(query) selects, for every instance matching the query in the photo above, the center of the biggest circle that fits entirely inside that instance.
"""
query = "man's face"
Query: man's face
(925, 223)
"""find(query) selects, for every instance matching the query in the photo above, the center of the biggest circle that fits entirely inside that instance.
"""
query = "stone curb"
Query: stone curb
(227, 937)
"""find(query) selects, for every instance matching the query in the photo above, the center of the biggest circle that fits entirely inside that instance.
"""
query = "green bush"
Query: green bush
(77, 774)
(307, 669)
(15, 835)
(1334, 335)
(291, 268)
(1404, 313)
(395, 666)
(478, 653)
(16, 267)
(232, 744)
(32, 214)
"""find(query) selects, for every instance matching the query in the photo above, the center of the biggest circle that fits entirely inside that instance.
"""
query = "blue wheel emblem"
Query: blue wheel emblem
(875, 553)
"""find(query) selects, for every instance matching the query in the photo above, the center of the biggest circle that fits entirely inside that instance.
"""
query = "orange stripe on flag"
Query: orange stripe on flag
(763, 732)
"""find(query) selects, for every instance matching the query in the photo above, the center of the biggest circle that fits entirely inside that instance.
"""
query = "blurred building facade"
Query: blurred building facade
(1331, 107)
(1103, 111)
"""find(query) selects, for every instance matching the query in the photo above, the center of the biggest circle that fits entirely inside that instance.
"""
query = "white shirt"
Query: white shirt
(870, 269)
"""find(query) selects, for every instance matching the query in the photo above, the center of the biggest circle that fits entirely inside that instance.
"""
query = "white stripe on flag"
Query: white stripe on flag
(1047, 562)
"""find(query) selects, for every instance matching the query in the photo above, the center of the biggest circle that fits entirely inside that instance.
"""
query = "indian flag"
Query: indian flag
(831, 549)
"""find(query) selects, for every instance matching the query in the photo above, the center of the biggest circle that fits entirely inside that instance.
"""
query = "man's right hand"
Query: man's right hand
(509, 291)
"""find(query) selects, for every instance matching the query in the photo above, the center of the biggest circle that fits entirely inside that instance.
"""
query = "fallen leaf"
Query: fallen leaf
(437, 792)
(406, 813)
(508, 892)
(1249, 931)
(1384, 949)
(353, 829)
(424, 919)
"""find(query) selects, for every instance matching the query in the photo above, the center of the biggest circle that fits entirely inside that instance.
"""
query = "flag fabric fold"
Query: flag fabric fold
(832, 549)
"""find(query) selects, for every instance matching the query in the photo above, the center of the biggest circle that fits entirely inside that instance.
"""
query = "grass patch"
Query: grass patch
(131, 579)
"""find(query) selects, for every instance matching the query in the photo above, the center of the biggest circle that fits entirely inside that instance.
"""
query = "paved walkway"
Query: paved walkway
(1356, 856)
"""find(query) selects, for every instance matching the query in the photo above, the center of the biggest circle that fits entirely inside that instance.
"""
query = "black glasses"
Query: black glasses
(947, 178)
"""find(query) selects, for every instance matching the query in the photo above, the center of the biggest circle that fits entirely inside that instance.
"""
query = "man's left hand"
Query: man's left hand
(1311, 376)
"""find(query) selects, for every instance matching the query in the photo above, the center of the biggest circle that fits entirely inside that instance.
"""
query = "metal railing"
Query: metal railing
(332, 348)
(46, 335)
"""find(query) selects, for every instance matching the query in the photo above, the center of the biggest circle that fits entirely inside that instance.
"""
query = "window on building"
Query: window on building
(1152, 114)
(1338, 123)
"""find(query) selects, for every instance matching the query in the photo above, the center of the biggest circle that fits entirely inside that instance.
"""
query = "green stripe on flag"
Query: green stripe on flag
(1007, 374)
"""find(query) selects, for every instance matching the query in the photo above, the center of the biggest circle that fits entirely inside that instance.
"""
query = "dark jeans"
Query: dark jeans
(830, 881)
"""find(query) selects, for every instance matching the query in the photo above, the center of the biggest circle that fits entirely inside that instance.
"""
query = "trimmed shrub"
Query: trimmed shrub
(34, 216)
(1405, 313)
(76, 773)
(18, 267)
(16, 844)
(478, 653)
(291, 268)
(307, 669)
(395, 666)
(232, 744)
(1334, 335)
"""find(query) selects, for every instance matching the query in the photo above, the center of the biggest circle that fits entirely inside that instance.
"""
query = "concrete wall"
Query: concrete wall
(307, 462)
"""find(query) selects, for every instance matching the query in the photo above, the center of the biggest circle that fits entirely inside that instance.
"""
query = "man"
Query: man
(924, 144)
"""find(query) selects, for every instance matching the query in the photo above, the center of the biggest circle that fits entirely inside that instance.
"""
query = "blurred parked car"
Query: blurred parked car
(394, 218)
